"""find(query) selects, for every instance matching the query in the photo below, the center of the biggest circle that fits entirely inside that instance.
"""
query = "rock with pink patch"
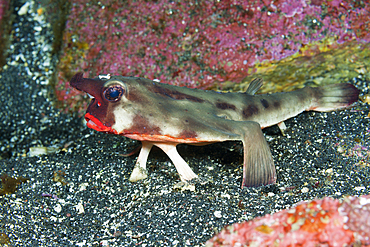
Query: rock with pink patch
(198, 44)
(324, 222)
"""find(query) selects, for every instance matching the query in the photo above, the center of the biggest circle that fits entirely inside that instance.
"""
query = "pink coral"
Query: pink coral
(324, 222)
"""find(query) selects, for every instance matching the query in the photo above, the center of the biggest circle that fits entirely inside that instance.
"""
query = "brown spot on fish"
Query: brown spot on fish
(250, 111)
(225, 106)
(187, 134)
(141, 125)
(265, 103)
(174, 94)
(276, 104)
(134, 95)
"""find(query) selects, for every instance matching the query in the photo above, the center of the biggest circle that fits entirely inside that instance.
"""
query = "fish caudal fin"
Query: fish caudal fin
(334, 96)
(259, 168)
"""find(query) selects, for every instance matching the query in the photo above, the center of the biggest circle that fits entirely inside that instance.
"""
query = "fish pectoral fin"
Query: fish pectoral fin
(254, 86)
(139, 172)
(259, 168)
(185, 172)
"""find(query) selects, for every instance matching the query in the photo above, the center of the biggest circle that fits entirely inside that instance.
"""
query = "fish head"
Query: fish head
(107, 93)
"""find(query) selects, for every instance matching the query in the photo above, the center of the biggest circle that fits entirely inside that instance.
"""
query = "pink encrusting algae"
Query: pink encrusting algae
(324, 222)
(197, 44)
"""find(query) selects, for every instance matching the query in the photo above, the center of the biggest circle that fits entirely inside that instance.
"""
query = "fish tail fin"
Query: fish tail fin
(259, 168)
(334, 96)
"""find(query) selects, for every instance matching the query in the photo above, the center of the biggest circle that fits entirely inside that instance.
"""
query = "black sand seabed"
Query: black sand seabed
(94, 203)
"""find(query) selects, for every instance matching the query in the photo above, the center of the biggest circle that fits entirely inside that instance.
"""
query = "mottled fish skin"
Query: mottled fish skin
(157, 113)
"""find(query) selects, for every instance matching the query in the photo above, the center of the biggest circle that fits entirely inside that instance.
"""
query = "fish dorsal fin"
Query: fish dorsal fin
(254, 86)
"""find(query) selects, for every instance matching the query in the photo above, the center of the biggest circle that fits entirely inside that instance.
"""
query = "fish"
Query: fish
(163, 115)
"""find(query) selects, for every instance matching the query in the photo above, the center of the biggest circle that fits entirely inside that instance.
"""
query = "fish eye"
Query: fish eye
(113, 93)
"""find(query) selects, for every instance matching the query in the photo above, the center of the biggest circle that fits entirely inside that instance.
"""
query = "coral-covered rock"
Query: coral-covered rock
(197, 44)
(324, 222)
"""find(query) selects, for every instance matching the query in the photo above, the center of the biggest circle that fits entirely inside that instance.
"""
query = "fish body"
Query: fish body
(165, 115)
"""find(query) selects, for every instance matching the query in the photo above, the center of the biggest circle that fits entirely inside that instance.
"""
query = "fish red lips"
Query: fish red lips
(95, 124)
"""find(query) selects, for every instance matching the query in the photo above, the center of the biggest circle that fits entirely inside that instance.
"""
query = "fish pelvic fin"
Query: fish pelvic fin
(334, 96)
(259, 168)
